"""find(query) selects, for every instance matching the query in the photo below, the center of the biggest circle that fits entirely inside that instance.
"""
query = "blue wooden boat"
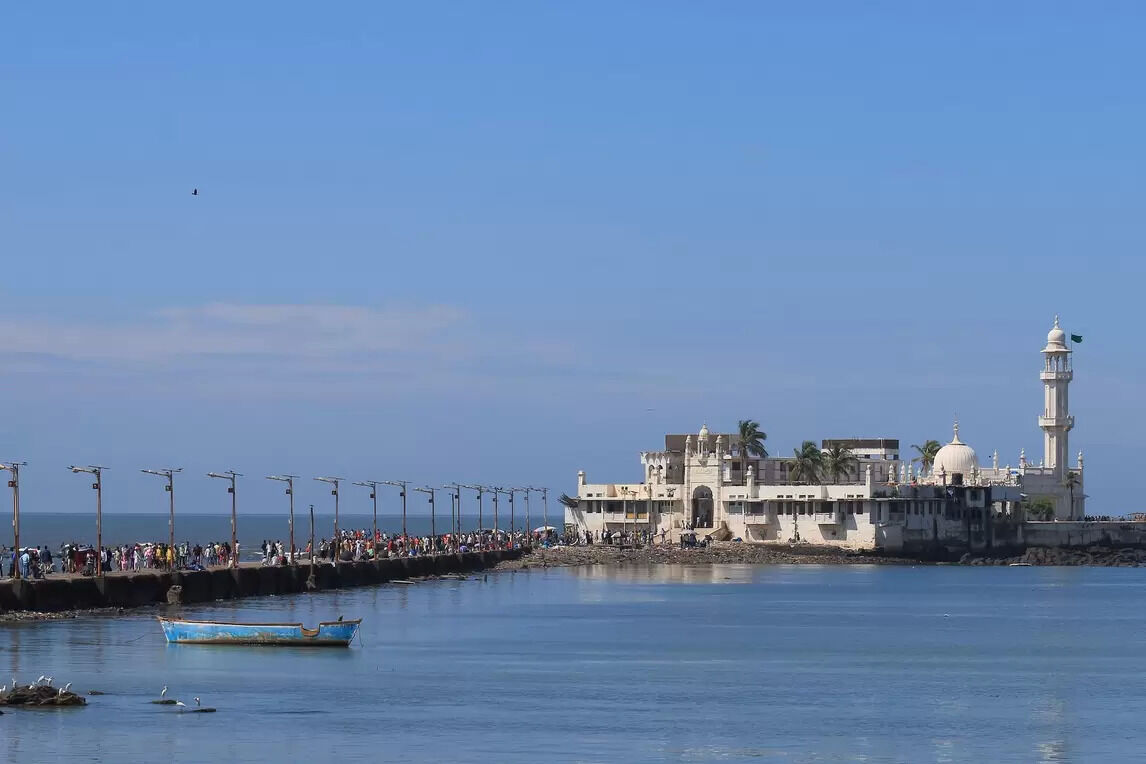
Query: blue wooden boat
(328, 634)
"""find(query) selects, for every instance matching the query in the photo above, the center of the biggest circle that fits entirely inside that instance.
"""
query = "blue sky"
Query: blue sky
(502, 242)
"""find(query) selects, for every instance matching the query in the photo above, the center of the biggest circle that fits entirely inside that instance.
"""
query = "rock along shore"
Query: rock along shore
(718, 553)
(1102, 556)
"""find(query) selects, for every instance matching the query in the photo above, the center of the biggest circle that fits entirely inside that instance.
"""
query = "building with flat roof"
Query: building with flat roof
(880, 498)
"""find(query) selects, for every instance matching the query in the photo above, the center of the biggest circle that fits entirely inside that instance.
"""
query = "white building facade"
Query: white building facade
(705, 482)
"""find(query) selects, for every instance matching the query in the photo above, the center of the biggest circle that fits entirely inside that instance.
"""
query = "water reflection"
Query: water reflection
(668, 574)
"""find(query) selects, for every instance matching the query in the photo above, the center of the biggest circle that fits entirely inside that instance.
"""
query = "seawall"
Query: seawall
(57, 594)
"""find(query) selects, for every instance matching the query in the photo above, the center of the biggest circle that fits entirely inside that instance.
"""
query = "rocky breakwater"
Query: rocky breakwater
(40, 696)
(721, 553)
(1104, 556)
(72, 594)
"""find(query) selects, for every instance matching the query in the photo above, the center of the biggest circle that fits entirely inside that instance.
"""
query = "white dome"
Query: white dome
(955, 457)
(704, 432)
(1056, 337)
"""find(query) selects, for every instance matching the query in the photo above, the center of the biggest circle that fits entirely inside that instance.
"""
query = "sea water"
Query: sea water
(635, 663)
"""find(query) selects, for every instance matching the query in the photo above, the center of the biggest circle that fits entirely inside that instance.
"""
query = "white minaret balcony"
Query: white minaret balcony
(1056, 422)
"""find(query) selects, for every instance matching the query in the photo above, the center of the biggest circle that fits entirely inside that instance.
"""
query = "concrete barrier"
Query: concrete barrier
(57, 594)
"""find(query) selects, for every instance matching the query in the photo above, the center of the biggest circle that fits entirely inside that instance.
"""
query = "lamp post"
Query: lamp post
(625, 514)
(14, 484)
(481, 530)
(457, 489)
(512, 513)
(289, 480)
(373, 486)
(230, 475)
(98, 487)
(545, 506)
(496, 493)
(170, 488)
(528, 516)
(400, 484)
(334, 481)
(433, 525)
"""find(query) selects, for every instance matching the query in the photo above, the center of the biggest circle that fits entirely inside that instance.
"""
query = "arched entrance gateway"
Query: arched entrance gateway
(702, 507)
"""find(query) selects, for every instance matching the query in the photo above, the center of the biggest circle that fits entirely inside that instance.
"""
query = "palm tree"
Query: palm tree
(1071, 480)
(839, 460)
(808, 463)
(927, 453)
(1040, 508)
(752, 440)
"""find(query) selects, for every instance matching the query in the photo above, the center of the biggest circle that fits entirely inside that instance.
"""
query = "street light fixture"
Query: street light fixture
(98, 487)
(481, 528)
(230, 475)
(14, 484)
(496, 493)
(400, 484)
(512, 515)
(456, 489)
(334, 481)
(373, 486)
(545, 509)
(433, 526)
(528, 521)
(170, 488)
(289, 480)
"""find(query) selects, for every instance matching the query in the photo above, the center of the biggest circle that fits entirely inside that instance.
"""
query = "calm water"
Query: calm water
(729, 663)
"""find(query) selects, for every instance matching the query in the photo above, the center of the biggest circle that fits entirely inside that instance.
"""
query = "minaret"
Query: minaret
(1056, 420)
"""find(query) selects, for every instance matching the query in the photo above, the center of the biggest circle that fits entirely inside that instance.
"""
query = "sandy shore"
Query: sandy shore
(720, 553)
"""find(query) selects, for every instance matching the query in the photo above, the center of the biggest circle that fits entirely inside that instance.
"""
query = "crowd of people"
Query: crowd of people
(37, 562)
(355, 544)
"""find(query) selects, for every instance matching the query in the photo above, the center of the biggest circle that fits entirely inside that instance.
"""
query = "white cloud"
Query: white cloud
(285, 331)
(282, 350)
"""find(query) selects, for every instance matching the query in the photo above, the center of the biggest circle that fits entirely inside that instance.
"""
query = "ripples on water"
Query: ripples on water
(672, 663)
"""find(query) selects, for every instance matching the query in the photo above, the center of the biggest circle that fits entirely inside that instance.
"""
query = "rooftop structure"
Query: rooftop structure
(880, 498)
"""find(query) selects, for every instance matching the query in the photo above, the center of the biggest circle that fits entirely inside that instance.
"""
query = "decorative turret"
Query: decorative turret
(1056, 420)
(1080, 461)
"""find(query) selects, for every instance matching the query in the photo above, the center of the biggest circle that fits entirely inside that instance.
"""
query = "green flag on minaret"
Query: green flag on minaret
(1076, 338)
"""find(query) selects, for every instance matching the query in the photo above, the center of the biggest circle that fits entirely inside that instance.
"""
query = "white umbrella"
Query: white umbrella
(544, 528)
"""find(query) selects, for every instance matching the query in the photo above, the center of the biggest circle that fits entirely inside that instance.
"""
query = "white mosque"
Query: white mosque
(704, 482)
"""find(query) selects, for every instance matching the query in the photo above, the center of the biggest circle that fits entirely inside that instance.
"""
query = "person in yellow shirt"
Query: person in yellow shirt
(170, 558)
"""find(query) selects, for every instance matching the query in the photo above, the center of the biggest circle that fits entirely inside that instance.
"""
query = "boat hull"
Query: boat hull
(328, 634)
